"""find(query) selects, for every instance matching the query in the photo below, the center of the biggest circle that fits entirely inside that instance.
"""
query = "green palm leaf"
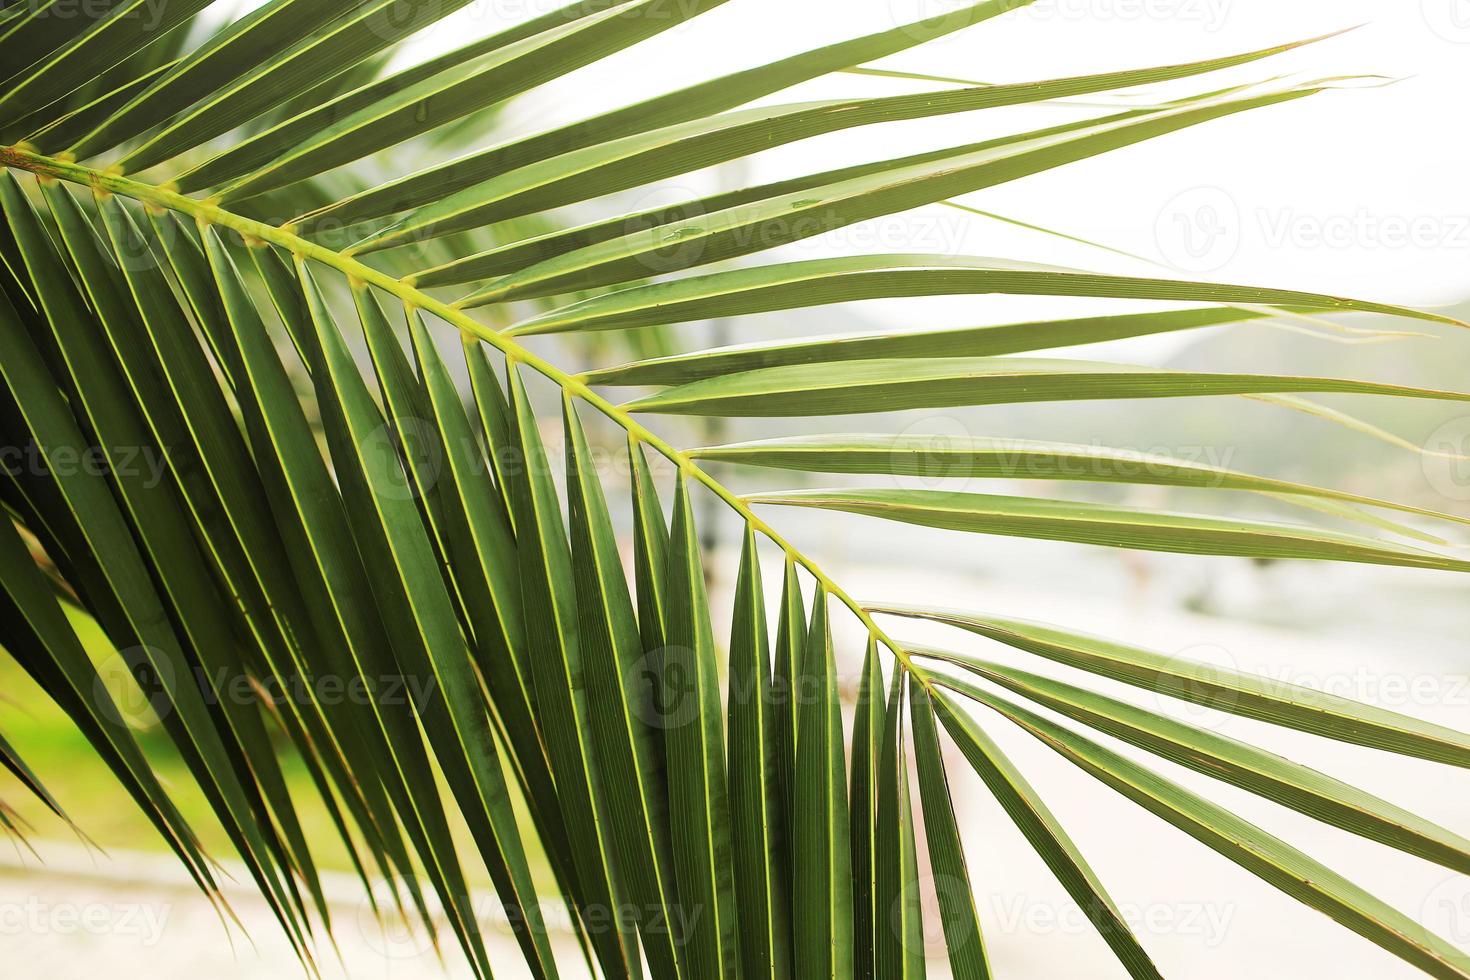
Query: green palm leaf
(1257, 851)
(340, 506)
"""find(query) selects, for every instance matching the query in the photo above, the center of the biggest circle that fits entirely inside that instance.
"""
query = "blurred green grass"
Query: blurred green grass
(87, 791)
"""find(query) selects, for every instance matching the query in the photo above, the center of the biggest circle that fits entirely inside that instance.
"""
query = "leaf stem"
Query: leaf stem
(206, 212)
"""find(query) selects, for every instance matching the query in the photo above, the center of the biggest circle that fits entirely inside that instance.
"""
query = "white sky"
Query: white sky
(1361, 191)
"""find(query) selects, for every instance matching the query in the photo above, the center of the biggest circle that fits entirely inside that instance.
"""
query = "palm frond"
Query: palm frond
(342, 504)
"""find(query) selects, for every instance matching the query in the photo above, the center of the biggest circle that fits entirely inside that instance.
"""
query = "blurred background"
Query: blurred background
(1360, 191)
